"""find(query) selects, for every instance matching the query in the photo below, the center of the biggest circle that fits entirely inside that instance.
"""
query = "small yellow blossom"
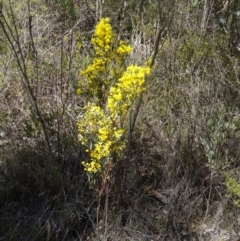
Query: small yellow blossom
(118, 133)
(79, 91)
(123, 48)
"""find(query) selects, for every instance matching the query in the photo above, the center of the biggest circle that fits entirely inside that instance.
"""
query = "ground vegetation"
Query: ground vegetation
(119, 120)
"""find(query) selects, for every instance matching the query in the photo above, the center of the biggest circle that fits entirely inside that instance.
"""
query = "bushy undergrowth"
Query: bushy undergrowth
(165, 165)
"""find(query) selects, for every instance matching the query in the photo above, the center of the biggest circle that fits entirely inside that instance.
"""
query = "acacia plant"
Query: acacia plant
(110, 88)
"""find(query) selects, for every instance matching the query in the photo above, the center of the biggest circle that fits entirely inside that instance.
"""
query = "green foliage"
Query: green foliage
(219, 128)
(233, 186)
(194, 49)
(69, 7)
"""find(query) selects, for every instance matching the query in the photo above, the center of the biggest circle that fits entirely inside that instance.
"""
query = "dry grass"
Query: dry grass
(172, 187)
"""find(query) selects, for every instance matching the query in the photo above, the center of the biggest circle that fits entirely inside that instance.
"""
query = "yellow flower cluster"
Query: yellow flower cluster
(92, 74)
(97, 131)
(123, 48)
(127, 89)
(103, 37)
(106, 65)
(112, 92)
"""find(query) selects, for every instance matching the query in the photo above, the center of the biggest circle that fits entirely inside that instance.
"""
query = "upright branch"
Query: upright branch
(13, 39)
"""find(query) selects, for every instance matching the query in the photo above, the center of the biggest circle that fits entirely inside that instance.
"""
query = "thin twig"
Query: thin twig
(14, 42)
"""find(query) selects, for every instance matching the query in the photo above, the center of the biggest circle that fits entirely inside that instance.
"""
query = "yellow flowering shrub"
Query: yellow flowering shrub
(111, 90)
